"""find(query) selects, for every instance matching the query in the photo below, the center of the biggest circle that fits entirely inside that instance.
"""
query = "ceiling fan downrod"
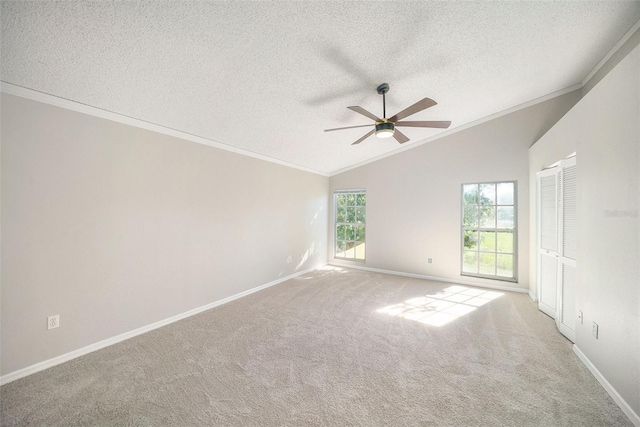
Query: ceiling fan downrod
(382, 89)
(386, 127)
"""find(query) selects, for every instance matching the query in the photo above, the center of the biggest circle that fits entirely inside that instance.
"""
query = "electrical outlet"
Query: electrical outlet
(53, 321)
(430, 261)
(595, 330)
(580, 317)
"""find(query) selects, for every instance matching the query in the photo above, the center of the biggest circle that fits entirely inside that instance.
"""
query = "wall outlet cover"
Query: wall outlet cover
(53, 321)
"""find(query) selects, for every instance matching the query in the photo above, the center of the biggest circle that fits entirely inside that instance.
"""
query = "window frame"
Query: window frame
(513, 279)
(336, 224)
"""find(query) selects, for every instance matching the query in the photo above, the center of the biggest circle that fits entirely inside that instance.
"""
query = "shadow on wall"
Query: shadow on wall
(443, 307)
(302, 259)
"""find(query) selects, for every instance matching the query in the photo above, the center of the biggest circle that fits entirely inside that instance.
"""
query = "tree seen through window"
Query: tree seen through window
(350, 225)
(488, 230)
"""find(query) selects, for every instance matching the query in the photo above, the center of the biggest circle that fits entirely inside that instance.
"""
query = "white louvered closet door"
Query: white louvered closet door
(556, 252)
(566, 301)
(548, 204)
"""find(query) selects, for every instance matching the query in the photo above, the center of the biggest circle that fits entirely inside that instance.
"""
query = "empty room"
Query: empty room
(309, 213)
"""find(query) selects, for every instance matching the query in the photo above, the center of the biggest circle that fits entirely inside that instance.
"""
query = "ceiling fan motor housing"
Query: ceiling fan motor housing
(384, 129)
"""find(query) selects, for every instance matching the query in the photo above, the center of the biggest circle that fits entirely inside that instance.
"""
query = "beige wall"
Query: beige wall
(604, 130)
(114, 227)
(413, 198)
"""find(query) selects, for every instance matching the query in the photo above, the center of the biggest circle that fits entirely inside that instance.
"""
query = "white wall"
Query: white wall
(413, 198)
(114, 227)
(604, 130)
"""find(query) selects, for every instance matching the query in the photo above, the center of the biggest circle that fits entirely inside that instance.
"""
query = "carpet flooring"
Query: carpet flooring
(335, 347)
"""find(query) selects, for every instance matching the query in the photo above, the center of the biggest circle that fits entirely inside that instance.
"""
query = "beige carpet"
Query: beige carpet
(335, 348)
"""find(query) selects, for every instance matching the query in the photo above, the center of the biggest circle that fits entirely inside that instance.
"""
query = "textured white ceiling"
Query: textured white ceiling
(268, 77)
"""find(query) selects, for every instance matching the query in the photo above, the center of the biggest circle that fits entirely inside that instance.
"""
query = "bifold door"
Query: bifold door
(557, 221)
(566, 316)
(548, 204)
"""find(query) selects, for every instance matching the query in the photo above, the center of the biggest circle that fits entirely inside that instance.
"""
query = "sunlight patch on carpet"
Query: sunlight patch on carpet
(442, 307)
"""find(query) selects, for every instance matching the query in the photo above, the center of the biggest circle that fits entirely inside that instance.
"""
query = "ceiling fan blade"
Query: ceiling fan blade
(425, 124)
(364, 137)
(365, 113)
(418, 106)
(348, 127)
(400, 137)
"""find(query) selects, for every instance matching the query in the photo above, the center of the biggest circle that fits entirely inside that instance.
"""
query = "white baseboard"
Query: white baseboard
(635, 419)
(533, 297)
(21, 373)
(437, 279)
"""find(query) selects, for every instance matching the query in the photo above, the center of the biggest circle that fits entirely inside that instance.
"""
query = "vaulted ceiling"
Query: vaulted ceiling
(269, 77)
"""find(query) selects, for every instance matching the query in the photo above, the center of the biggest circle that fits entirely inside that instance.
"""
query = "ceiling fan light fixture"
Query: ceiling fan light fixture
(385, 127)
(384, 130)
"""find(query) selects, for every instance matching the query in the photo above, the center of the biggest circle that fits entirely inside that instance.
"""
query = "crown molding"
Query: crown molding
(611, 52)
(68, 104)
(460, 128)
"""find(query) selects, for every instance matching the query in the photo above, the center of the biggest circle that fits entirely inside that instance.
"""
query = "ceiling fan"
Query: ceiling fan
(385, 128)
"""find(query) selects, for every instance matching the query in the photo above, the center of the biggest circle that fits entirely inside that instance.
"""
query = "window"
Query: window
(489, 230)
(350, 214)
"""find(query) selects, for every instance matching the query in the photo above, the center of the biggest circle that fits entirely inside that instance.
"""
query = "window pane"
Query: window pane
(505, 265)
(350, 232)
(505, 241)
(505, 217)
(487, 208)
(487, 217)
(351, 251)
(470, 218)
(470, 239)
(487, 241)
(360, 251)
(350, 219)
(505, 193)
(470, 262)
(351, 214)
(487, 264)
(487, 194)
(470, 194)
